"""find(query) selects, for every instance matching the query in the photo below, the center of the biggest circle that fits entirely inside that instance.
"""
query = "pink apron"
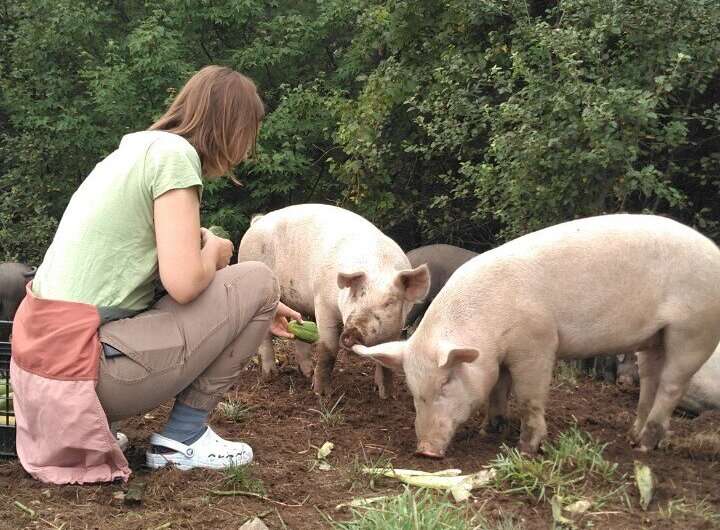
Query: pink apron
(63, 436)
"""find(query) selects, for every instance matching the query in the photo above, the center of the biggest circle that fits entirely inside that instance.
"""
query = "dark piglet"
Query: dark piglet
(442, 260)
(13, 278)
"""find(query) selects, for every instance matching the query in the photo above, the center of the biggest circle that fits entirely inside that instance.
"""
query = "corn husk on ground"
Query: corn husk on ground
(460, 486)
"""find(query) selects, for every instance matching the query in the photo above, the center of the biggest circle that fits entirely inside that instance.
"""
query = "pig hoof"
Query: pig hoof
(633, 435)
(269, 375)
(385, 392)
(321, 385)
(496, 425)
(651, 435)
(307, 371)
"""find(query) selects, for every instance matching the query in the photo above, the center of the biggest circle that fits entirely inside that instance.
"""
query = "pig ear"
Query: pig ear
(415, 283)
(452, 357)
(353, 280)
(390, 354)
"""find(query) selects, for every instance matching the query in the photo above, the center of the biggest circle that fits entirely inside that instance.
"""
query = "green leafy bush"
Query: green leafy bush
(459, 121)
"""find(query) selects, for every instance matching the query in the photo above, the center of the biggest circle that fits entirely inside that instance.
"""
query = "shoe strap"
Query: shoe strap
(163, 441)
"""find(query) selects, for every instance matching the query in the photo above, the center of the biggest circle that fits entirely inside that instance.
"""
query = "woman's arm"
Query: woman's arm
(185, 269)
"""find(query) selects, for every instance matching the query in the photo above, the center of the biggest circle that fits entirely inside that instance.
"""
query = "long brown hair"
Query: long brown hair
(219, 112)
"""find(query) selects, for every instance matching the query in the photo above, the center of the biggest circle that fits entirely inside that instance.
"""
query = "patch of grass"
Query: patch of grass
(507, 522)
(240, 478)
(567, 372)
(700, 509)
(235, 410)
(330, 416)
(413, 509)
(578, 450)
(358, 479)
(572, 468)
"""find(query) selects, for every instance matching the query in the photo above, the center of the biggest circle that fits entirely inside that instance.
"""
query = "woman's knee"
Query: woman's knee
(260, 277)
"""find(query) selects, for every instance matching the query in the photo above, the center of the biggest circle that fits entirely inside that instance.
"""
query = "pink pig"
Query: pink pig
(571, 291)
(336, 265)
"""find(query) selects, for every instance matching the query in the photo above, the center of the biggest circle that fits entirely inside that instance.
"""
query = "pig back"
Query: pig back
(306, 245)
(597, 278)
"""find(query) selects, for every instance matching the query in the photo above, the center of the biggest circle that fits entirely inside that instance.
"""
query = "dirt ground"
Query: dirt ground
(285, 434)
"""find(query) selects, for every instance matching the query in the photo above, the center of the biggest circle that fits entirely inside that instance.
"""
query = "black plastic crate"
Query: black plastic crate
(7, 417)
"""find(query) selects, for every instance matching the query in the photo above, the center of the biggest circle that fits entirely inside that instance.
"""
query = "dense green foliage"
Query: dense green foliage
(461, 121)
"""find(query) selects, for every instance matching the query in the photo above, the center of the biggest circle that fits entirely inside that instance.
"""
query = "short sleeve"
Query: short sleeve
(172, 163)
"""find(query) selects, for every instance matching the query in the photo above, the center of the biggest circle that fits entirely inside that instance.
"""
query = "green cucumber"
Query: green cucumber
(306, 332)
(219, 231)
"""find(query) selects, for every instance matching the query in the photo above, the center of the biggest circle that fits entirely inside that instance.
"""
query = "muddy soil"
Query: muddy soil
(285, 433)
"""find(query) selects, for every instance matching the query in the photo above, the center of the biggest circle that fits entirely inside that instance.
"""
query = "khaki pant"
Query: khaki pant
(194, 352)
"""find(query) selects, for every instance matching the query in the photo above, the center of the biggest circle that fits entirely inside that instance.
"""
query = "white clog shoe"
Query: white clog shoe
(209, 451)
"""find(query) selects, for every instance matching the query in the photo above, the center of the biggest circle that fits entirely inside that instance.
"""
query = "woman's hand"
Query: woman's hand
(279, 325)
(220, 248)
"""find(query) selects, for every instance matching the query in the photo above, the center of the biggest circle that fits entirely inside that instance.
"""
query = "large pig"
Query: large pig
(13, 277)
(338, 266)
(442, 260)
(575, 290)
(704, 390)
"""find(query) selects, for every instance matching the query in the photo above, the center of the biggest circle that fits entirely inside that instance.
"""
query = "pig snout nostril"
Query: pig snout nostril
(424, 449)
(350, 338)
(429, 454)
(624, 382)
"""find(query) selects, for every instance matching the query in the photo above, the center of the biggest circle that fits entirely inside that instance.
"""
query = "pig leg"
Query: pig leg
(650, 363)
(327, 348)
(685, 352)
(267, 359)
(303, 356)
(496, 415)
(384, 381)
(531, 380)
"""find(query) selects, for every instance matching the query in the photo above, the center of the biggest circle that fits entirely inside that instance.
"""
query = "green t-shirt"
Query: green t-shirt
(104, 251)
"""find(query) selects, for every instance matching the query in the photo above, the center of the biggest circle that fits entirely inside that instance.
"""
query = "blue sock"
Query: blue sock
(186, 424)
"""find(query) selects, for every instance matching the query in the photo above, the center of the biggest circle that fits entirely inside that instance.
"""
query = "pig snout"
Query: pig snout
(350, 337)
(426, 450)
(627, 371)
(625, 381)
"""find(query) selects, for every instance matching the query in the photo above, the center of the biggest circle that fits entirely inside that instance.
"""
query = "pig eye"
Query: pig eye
(444, 385)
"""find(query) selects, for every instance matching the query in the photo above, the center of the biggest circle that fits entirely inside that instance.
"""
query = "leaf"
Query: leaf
(558, 517)
(135, 492)
(645, 483)
(580, 506)
(363, 501)
(325, 450)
